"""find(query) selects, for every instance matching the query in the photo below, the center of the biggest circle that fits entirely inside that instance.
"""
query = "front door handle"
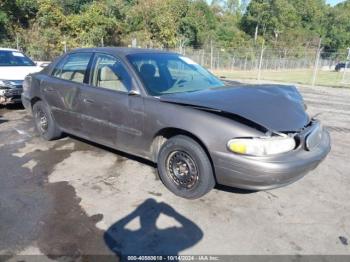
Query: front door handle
(88, 101)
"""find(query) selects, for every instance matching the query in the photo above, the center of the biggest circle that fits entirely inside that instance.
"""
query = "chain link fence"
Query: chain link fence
(307, 66)
(297, 66)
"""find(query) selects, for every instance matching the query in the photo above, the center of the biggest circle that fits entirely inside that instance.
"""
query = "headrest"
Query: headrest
(148, 70)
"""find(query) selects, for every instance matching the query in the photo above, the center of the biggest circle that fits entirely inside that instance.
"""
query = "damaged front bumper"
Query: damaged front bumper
(10, 96)
(263, 173)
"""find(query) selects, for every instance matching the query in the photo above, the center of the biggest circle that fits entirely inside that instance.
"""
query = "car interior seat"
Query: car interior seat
(67, 75)
(78, 77)
(75, 76)
(108, 79)
(148, 71)
(148, 75)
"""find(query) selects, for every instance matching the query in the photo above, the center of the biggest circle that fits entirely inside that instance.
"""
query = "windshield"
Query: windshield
(14, 58)
(171, 73)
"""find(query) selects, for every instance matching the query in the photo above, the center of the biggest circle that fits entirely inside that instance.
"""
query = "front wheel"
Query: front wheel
(44, 122)
(184, 168)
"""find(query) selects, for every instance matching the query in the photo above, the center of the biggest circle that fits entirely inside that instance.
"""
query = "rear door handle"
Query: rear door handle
(49, 89)
(88, 101)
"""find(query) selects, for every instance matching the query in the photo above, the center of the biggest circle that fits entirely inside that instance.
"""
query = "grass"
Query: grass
(324, 78)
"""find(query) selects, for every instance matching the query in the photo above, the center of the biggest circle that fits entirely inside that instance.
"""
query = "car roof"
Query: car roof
(122, 51)
(8, 49)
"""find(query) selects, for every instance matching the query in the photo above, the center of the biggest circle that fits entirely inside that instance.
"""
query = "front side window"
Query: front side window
(14, 58)
(109, 73)
(73, 67)
(171, 73)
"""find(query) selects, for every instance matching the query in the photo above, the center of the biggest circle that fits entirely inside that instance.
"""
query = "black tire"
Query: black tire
(41, 113)
(196, 178)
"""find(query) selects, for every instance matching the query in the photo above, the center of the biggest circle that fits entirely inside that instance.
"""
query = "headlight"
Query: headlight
(261, 146)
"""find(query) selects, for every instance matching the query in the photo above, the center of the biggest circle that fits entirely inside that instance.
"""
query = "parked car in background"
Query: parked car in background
(341, 66)
(14, 67)
(166, 108)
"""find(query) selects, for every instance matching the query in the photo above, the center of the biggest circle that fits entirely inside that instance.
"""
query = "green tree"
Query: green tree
(200, 23)
(3, 25)
(228, 33)
(313, 14)
(43, 27)
(270, 17)
(74, 6)
(44, 38)
(97, 25)
(338, 29)
(15, 14)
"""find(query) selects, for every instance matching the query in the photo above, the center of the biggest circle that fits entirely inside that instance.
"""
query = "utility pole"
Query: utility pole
(256, 33)
(134, 43)
(17, 42)
(261, 59)
(346, 65)
(318, 55)
(203, 54)
(211, 54)
(64, 42)
(218, 62)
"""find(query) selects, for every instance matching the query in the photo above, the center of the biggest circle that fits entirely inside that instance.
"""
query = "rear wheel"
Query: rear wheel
(44, 123)
(185, 168)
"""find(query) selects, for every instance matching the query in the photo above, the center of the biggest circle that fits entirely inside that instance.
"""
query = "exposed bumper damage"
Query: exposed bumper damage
(267, 172)
(10, 96)
(262, 173)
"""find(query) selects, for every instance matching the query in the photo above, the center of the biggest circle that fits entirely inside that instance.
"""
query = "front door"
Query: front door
(111, 116)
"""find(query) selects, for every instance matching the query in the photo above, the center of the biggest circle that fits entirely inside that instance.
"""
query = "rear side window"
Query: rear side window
(73, 67)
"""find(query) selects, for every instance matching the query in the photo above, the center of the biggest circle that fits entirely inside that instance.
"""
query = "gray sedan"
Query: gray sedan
(166, 108)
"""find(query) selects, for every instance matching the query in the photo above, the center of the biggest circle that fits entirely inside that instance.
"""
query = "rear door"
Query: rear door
(61, 89)
(111, 115)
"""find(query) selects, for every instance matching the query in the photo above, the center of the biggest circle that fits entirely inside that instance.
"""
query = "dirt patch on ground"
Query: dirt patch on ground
(35, 211)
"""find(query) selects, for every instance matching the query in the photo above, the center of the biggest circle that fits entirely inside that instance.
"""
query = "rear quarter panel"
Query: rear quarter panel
(31, 88)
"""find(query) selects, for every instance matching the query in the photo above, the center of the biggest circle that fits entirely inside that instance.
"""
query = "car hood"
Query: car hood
(17, 72)
(275, 107)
